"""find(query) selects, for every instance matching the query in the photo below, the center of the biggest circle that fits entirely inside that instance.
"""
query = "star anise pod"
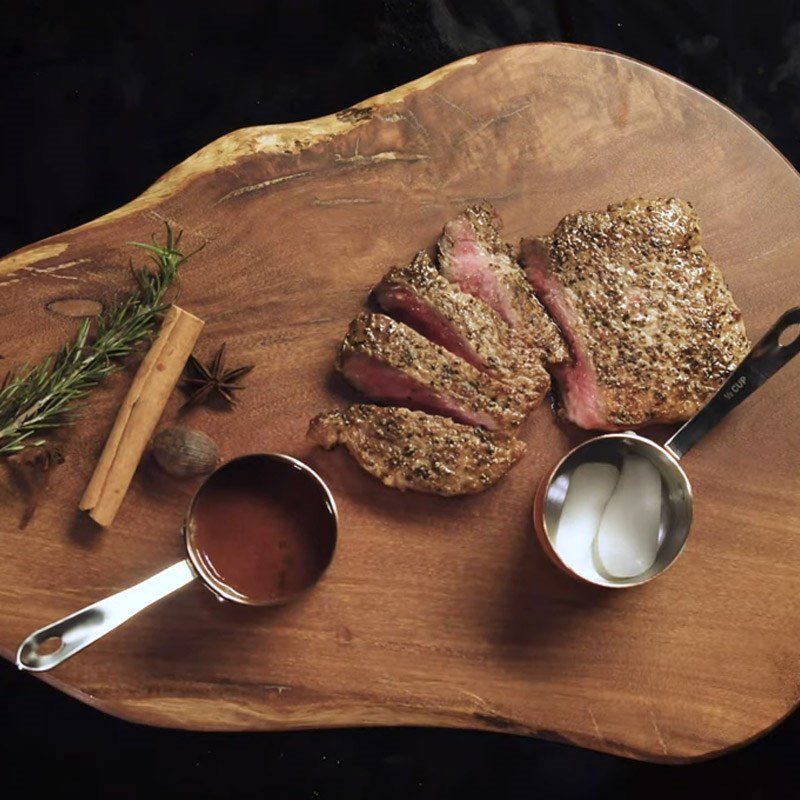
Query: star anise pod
(203, 382)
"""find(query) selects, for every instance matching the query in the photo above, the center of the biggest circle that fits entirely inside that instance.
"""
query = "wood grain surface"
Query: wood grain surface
(434, 612)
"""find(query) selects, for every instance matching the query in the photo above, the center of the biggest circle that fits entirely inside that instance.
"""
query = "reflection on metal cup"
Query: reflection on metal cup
(236, 502)
(768, 355)
(676, 513)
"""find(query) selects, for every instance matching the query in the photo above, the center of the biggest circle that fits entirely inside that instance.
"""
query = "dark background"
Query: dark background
(99, 100)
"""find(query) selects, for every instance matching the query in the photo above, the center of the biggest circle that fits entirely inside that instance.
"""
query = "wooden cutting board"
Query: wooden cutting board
(435, 612)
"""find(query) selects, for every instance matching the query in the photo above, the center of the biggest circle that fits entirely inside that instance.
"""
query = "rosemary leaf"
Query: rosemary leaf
(35, 399)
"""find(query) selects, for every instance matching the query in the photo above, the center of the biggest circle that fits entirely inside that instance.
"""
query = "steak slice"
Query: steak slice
(419, 296)
(653, 328)
(473, 256)
(393, 363)
(413, 450)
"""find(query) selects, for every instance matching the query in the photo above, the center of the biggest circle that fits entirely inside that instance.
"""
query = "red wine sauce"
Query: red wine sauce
(262, 529)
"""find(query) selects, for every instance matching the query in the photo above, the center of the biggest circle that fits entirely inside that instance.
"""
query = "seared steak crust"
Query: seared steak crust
(653, 328)
(391, 362)
(419, 296)
(413, 450)
(474, 257)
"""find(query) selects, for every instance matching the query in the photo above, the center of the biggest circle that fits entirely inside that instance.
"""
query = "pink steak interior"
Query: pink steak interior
(407, 307)
(470, 267)
(576, 382)
(388, 384)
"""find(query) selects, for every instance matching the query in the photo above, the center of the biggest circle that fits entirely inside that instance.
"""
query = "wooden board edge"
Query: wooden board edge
(356, 713)
(298, 136)
(301, 135)
(224, 151)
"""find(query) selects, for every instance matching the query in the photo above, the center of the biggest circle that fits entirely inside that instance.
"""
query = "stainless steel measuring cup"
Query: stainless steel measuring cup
(53, 644)
(763, 361)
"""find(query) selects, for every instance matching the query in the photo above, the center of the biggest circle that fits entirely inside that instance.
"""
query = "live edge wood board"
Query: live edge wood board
(435, 612)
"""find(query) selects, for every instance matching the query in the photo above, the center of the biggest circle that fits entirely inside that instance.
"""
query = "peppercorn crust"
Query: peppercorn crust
(413, 450)
(408, 362)
(646, 311)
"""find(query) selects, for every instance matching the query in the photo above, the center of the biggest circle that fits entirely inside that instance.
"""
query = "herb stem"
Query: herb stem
(36, 399)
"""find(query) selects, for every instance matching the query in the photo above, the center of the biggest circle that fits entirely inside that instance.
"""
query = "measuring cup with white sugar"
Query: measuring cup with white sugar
(616, 511)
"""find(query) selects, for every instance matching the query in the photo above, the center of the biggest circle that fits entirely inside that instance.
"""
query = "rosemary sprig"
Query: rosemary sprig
(35, 399)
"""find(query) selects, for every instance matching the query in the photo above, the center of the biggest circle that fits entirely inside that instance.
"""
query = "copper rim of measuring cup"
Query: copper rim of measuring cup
(215, 585)
(85, 626)
(768, 355)
(543, 533)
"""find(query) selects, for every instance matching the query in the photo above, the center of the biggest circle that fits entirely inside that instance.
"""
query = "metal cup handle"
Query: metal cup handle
(763, 361)
(80, 629)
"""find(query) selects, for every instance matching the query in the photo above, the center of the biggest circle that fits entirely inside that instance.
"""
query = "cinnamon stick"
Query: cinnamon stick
(139, 414)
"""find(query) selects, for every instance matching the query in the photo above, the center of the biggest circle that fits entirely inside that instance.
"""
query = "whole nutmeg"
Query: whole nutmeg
(184, 453)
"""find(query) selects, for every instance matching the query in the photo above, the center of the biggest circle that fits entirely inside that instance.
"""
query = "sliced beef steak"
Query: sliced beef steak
(473, 256)
(653, 328)
(419, 296)
(413, 450)
(392, 363)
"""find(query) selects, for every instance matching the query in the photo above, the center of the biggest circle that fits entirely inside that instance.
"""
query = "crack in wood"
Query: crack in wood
(51, 271)
(500, 722)
(658, 733)
(392, 116)
(596, 727)
(342, 201)
(447, 101)
(37, 271)
(493, 121)
(256, 187)
(385, 155)
(481, 702)
(407, 116)
(417, 124)
(157, 215)
(57, 267)
(19, 260)
(479, 198)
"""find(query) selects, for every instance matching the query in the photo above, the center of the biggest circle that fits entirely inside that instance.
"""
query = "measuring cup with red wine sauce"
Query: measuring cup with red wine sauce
(260, 531)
